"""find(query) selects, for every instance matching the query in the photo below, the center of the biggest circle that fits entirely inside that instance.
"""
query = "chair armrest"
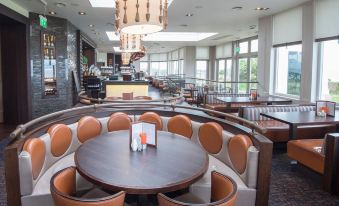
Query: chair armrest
(331, 173)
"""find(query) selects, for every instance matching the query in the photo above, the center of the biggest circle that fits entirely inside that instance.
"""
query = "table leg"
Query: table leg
(142, 200)
(337, 128)
(293, 131)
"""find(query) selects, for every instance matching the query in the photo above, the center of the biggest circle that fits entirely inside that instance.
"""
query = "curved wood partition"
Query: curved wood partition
(41, 125)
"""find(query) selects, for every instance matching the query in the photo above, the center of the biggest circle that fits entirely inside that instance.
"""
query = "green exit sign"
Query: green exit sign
(43, 21)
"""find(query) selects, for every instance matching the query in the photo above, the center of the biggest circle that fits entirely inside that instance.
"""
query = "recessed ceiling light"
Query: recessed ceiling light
(52, 13)
(198, 7)
(91, 25)
(189, 14)
(237, 8)
(253, 26)
(261, 8)
(102, 3)
(82, 13)
(60, 5)
(183, 25)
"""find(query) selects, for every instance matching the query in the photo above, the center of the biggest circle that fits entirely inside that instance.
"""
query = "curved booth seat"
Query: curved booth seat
(36, 191)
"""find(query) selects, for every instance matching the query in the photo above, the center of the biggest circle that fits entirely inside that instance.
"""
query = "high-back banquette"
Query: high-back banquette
(44, 156)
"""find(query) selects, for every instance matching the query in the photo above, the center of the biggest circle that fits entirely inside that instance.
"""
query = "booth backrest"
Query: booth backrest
(252, 113)
(39, 154)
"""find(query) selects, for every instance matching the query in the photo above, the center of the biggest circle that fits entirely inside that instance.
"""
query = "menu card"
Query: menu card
(147, 128)
(327, 107)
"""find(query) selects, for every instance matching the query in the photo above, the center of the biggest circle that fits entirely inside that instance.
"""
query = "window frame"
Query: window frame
(275, 73)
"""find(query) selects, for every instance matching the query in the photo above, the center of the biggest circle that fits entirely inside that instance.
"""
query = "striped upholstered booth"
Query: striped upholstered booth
(211, 102)
(278, 131)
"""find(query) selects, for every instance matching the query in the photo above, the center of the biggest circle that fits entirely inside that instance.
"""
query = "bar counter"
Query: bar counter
(116, 88)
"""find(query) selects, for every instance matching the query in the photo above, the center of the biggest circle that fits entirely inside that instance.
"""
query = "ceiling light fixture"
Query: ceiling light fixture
(82, 13)
(261, 9)
(102, 3)
(52, 13)
(125, 58)
(141, 17)
(237, 8)
(168, 36)
(189, 14)
(60, 5)
(130, 42)
(91, 25)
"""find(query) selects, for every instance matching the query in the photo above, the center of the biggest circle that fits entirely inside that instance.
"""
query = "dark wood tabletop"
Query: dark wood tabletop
(175, 164)
(295, 119)
(302, 118)
(268, 100)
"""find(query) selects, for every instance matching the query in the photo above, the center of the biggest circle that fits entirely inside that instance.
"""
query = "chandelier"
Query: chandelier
(130, 42)
(125, 58)
(141, 16)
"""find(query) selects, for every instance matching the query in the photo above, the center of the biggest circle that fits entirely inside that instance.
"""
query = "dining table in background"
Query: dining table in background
(296, 119)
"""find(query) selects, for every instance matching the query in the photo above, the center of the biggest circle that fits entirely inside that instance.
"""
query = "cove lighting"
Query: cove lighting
(102, 3)
(169, 36)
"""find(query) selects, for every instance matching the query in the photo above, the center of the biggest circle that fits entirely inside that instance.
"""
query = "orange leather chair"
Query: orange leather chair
(309, 152)
(63, 186)
(88, 127)
(223, 193)
(210, 137)
(142, 98)
(153, 118)
(118, 121)
(180, 124)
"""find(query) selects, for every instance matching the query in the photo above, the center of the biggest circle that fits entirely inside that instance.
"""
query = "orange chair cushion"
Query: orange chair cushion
(153, 118)
(61, 138)
(88, 127)
(37, 149)
(237, 151)
(305, 152)
(118, 121)
(210, 137)
(223, 188)
(180, 124)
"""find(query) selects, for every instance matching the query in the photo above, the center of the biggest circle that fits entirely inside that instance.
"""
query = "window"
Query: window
(144, 66)
(243, 75)
(329, 69)
(288, 70)
(253, 72)
(243, 47)
(254, 45)
(201, 71)
(221, 70)
(175, 67)
(158, 68)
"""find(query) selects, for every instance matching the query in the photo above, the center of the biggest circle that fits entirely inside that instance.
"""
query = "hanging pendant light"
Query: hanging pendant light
(130, 42)
(141, 16)
(125, 58)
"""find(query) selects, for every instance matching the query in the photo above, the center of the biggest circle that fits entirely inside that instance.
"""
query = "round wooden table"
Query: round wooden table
(175, 164)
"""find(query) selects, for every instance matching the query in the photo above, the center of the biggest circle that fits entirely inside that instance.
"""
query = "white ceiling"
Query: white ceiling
(208, 16)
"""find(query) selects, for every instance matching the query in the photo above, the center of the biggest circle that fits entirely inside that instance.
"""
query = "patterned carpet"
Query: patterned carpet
(291, 185)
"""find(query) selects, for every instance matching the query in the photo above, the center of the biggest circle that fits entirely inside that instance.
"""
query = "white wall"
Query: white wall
(10, 4)
(309, 54)
(189, 61)
(265, 55)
